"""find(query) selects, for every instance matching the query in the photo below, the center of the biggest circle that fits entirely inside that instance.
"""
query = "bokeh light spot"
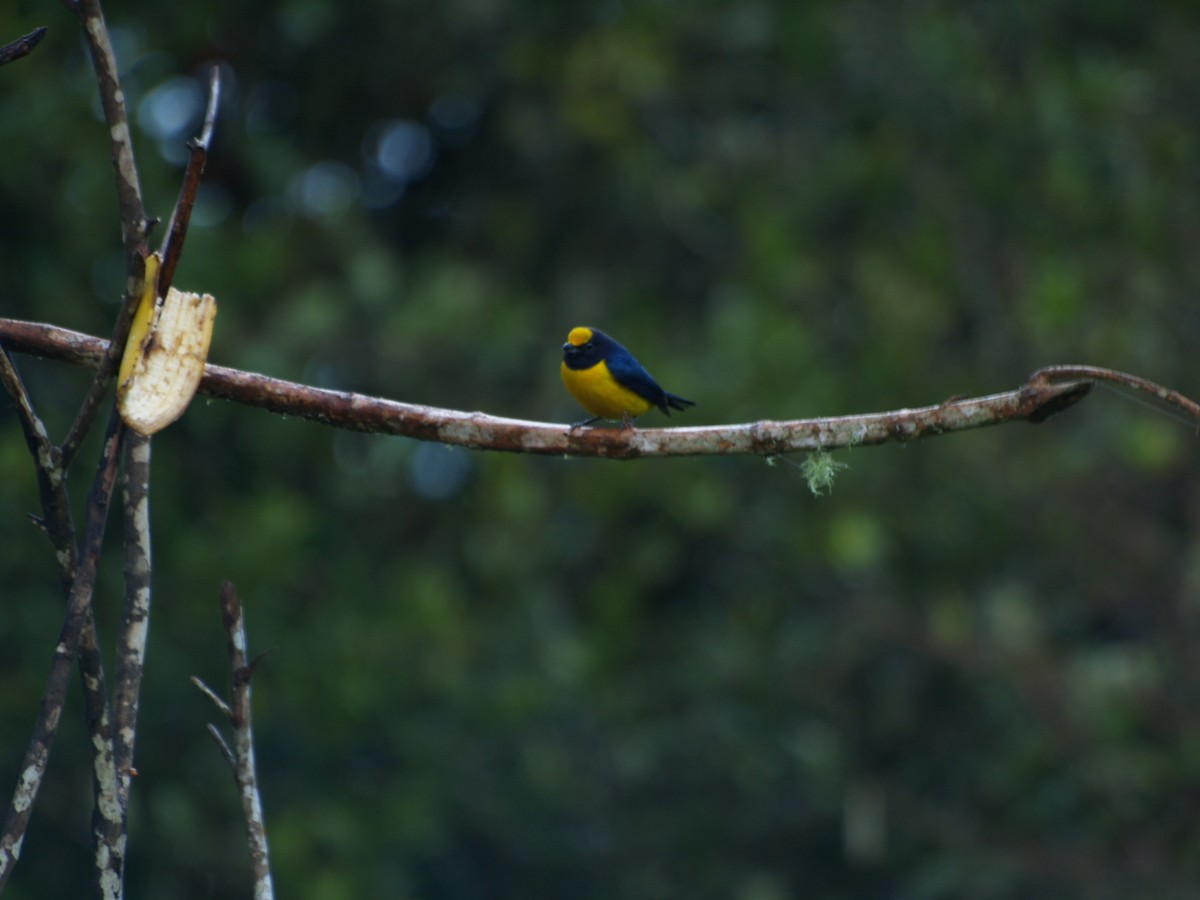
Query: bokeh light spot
(402, 150)
(439, 472)
(171, 109)
(325, 189)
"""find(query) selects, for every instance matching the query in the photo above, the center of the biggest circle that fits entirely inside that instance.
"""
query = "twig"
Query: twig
(1034, 402)
(108, 821)
(243, 741)
(131, 641)
(110, 781)
(22, 46)
(222, 745)
(106, 364)
(79, 602)
(182, 214)
(135, 617)
(112, 761)
(57, 522)
(1055, 374)
(241, 756)
(212, 695)
(45, 454)
(135, 226)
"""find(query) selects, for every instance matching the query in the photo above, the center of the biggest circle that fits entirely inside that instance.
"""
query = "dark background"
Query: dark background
(970, 671)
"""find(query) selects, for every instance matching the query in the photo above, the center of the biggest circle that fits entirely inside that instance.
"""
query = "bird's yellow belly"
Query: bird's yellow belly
(600, 394)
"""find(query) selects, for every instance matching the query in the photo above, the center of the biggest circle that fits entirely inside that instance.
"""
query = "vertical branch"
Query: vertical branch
(181, 216)
(135, 618)
(108, 364)
(241, 756)
(113, 761)
(245, 772)
(79, 605)
(110, 780)
(113, 753)
(135, 227)
(108, 824)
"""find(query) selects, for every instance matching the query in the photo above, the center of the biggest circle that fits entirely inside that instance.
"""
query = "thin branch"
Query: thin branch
(212, 695)
(131, 203)
(79, 606)
(45, 455)
(480, 431)
(241, 757)
(112, 762)
(221, 743)
(135, 617)
(1033, 402)
(112, 759)
(182, 214)
(108, 818)
(59, 526)
(135, 226)
(22, 46)
(108, 823)
(106, 364)
(1055, 374)
(131, 641)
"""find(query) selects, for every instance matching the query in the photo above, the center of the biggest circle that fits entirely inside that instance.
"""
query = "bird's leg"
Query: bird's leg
(626, 422)
(580, 424)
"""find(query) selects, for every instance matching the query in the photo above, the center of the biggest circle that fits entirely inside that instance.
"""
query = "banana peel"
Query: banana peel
(165, 355)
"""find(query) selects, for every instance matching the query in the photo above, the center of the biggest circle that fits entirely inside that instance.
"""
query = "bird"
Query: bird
(608, 381)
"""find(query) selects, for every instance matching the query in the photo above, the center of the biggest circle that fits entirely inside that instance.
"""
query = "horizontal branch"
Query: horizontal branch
(1040, 398)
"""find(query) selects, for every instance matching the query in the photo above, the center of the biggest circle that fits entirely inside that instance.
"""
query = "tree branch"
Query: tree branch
(59, 526)
(112, 757)
(79, 606)
(241, 756)
(108, 823)
(1056, 374)
(135, 227)
(45, 455)
(135, 617)
(1038, 399)
(106, 363)
(22, 46)
(181, 216)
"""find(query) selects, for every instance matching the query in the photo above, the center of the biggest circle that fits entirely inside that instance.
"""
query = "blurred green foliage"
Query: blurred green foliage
(970, 671)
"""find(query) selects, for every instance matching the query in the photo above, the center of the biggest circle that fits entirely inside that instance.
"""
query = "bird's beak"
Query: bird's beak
(567, 345)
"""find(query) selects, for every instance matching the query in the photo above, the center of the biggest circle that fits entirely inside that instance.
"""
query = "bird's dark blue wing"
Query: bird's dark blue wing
(631, 374)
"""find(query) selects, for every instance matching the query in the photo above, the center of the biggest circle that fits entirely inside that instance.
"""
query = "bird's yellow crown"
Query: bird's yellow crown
(579, 336)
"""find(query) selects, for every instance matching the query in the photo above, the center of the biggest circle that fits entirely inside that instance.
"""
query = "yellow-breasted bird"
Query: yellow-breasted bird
(608, 382)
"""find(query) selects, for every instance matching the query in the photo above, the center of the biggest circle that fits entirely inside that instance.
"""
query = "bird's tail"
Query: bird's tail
(676, 402)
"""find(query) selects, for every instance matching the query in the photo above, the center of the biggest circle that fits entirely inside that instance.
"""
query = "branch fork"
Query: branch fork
(241, 755)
